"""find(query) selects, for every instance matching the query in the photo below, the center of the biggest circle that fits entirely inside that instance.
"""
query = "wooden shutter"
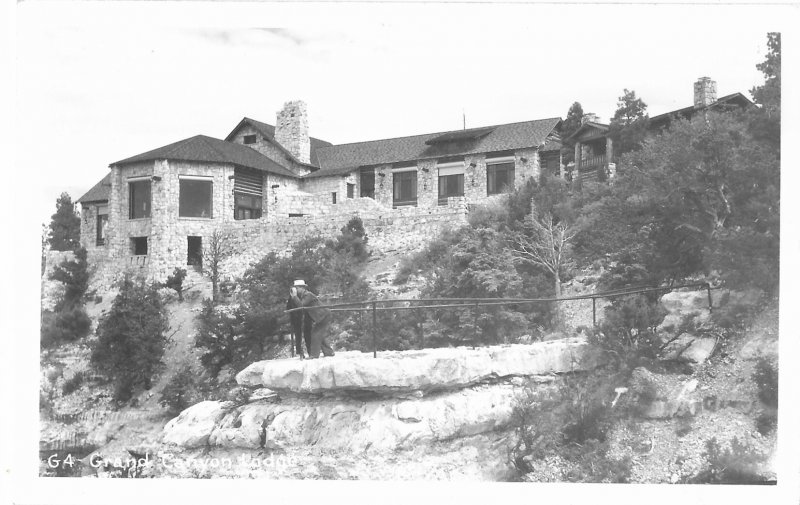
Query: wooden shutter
(248, 182)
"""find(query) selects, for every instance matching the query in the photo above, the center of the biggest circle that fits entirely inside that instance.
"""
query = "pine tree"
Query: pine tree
(628, 127)
(132, 338)
(569, 127)
(65, 226)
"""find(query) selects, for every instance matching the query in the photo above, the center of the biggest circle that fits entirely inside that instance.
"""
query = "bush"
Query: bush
(177, 395)
(352, 240)
(72, 385)
(592, 464)
(175, 281)
(766, 378)
(74, 274)
(766, 422)
(628, 330)
(738, 464)
(572, 420)
(65, 326)
(220, 336)
(132, 338)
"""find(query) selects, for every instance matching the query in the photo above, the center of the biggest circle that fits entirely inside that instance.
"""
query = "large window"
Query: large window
(139, 199)
(102, 224)
(195, 198)
(367, 183)
(450, 185)
(405, 188)
(500, 178)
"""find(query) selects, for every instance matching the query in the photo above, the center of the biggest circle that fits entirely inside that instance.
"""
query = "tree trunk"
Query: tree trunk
(558, 321)
(557, 284)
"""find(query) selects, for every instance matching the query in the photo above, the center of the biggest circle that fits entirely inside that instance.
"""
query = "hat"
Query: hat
(300, 282)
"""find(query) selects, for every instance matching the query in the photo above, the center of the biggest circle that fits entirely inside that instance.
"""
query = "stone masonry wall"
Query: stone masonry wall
(291, 130)
(268, 149)
(402, 228)
(387, 230)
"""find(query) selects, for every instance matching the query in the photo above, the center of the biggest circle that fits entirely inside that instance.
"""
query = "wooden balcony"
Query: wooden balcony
(592, 162)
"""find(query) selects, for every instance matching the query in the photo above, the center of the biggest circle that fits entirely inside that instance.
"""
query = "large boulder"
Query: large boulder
(386, 424)
(194, 425)
(424, 370)
(684, 308)
(688, 348)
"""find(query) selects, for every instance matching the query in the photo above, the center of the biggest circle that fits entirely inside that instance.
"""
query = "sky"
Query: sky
(100, 82)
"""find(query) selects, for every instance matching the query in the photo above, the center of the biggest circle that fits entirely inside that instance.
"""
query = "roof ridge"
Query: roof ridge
(440, 133)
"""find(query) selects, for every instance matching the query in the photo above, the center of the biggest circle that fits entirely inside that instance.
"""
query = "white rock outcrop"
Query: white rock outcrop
(350, 425)
(424, 370)
(193, 426)
(398, 400)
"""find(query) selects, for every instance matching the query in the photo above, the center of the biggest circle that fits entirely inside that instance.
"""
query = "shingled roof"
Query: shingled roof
(100, 192)
(343, 158)
(734, 99)
(208, 149)
(268, 131)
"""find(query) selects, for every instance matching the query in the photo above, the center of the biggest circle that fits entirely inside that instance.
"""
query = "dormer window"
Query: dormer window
(249, 139)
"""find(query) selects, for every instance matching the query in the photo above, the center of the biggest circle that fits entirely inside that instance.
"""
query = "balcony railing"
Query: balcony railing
(592, 162)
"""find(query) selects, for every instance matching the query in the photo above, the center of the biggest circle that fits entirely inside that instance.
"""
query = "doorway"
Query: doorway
(194, 252)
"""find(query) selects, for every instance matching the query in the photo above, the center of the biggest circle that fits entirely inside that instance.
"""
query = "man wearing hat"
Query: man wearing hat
(320, 317)
(301, 326)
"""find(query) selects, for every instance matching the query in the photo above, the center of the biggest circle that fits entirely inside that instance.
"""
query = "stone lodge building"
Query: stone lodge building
(266, 185)
(594, 148)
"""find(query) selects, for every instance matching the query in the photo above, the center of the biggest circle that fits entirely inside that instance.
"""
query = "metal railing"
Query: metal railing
(372, 306)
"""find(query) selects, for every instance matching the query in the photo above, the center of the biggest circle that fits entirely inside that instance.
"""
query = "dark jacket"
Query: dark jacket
(309, 300)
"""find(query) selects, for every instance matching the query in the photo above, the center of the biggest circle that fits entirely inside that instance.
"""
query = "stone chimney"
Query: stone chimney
(590, 116)
(705, 92)
(291, 130)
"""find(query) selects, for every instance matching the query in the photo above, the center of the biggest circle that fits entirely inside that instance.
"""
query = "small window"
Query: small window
(295, 215)
(102, 224)
(351, 190)
(139, 199)
(249, 139)
(333, 198)
(500, 178)
(247, 207)
(139, 246)
(195, 198)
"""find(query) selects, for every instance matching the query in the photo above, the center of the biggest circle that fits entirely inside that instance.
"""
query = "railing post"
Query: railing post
(374, 330)
(708, 289)
(421, 329)
(475, 327)
(594, 311)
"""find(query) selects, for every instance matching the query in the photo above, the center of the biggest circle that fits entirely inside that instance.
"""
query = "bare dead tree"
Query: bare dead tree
(218, 247)
(544, 242)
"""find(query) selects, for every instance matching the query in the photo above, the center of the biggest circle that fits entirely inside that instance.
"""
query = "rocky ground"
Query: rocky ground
(665, 447)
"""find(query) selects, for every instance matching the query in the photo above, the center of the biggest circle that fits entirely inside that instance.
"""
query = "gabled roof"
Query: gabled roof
(208, 149)
(601, 128)
(268, 132)
(737, 99)
(343, 158)
(100, 192)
